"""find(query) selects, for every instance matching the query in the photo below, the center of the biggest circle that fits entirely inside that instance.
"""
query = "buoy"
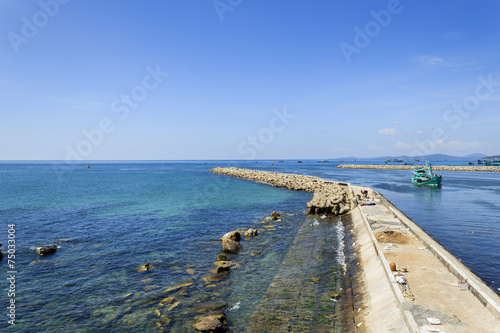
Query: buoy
(88, 166)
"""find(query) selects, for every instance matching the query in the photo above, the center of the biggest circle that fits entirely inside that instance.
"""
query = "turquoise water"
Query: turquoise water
(112, 218)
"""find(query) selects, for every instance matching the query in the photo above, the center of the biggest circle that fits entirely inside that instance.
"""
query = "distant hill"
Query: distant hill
(432, 157)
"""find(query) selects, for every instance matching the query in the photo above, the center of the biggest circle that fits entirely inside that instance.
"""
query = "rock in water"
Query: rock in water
(231, 242)
(214, 323)
(230, 246)
(233, 235)
(210, 305)
(45, 250)
(221, 257)
(275, 216)
(251, 232)
(145, 267)
(218, 276)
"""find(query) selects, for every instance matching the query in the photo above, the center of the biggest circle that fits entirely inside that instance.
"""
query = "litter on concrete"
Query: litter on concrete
(434, 321)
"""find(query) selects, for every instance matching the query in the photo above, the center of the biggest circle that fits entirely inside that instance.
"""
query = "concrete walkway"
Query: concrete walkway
(432, 275)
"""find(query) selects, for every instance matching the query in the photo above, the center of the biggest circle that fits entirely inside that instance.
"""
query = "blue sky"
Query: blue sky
(241, 79)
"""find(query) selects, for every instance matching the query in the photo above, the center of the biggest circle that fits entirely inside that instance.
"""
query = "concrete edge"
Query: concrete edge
(486, 296)
(408, 318)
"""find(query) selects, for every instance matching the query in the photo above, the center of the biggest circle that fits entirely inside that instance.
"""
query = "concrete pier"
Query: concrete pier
(390, 246)
(433, 275)
(470, 168)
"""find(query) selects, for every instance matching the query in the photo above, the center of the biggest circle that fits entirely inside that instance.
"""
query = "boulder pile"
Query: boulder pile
(329, 197)
(411, 167)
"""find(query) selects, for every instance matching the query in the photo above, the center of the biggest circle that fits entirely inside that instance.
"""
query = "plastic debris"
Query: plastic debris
(388, 247)
(434, 321)
(359, 324)
(402, 281)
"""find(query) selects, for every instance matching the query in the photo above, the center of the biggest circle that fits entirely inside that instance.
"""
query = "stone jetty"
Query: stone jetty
(469, 168)
(330, 198)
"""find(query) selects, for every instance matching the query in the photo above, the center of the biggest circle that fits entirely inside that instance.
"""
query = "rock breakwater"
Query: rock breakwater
(329, 197)
(410, 167)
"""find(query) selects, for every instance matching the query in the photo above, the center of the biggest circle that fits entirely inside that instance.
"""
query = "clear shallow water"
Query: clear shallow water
(110, 219)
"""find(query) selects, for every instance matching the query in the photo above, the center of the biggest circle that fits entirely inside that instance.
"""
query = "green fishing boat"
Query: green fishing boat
(424, 176)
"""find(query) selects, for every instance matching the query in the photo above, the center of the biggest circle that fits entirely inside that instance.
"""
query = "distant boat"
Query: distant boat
(395, 160)
(299, 161)
(323, 161)
(492, 161)
(471, 163)
(480, 162)
(425, 176)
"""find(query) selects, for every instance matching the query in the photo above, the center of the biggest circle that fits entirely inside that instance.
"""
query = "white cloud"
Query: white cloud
(430, 60)
(450, 62)
(388, 131)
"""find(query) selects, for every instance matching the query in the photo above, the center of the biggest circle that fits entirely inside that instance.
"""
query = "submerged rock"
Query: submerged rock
(210, 305)
(275, 216)
(251, 232)
(217, 276)
(46, 250)
(221, 257)
(145, 267)
(177, 287)
(166, 301)
(213, 323)
(222, 268)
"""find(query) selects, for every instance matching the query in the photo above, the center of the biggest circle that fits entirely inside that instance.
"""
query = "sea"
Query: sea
(108, 219)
